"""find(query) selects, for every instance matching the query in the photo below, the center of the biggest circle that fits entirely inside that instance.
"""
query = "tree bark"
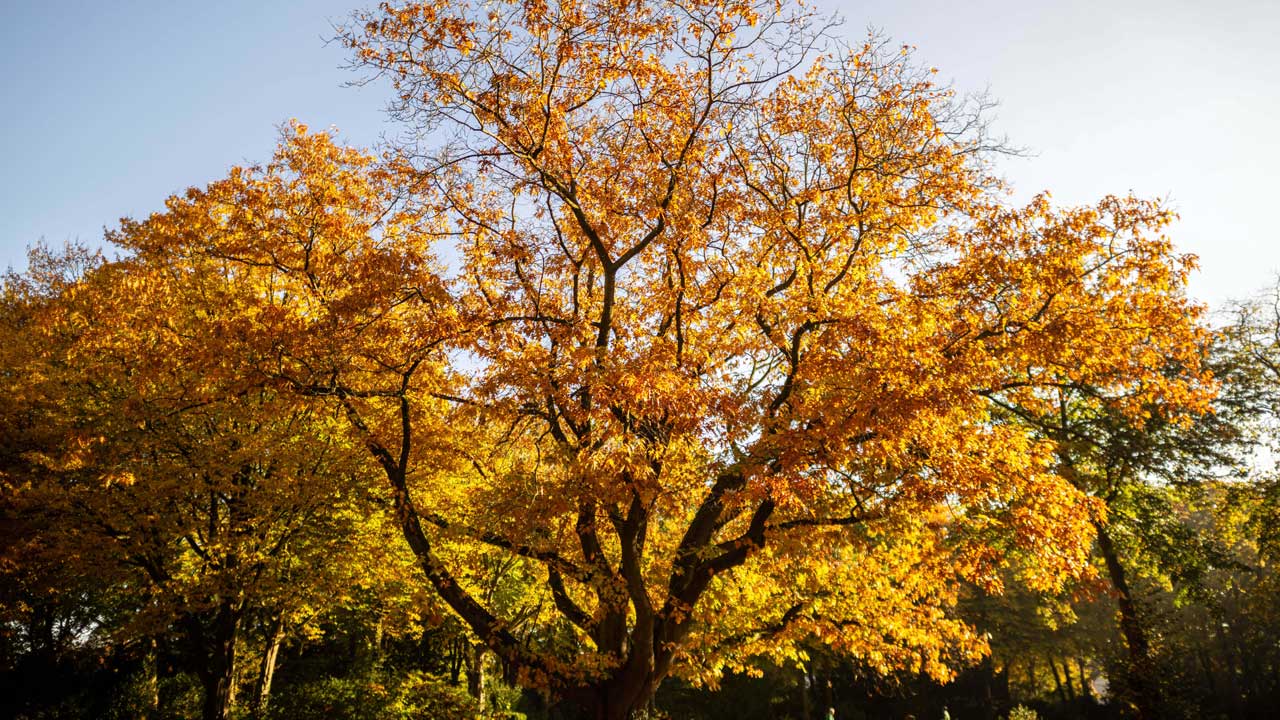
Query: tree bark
(232, 685)
(620, 697)
(1085, 690)
(614, 703)
(475, 676)
(1140, 676)
(151, 666)
(217, 670)
(267, 671)
(1057, 680)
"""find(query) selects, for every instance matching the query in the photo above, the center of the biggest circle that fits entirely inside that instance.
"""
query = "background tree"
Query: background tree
(1173, 550)
(208, 503)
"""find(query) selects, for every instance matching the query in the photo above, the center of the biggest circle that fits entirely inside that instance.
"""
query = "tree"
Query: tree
(1251, 341)
(201, 500)
(714, 346)
(1147, 467)
(1182, 548)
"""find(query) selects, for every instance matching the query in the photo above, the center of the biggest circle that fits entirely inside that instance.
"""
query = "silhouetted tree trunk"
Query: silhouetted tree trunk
(1085, 691)
(1140, 676)
(1057, 680)
(217, 656)
(456, 653)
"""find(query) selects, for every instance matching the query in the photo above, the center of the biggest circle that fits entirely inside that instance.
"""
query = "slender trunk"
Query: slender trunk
(267, 671)
(1066, 675)
(1085, 691)
(1141, 677)
(475, 676)
(151, 666)
(232, 685)
(1057, 680)
(455, 661)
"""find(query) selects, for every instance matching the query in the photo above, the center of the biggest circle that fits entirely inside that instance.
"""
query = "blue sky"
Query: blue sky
(112, 106)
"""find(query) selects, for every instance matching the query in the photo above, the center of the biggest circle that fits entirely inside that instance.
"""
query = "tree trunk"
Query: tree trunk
(232, 685)
(455, 661)
(218, 671)
(620, 697)
(1085, 690)
(151, 666)
(1066, 675)
(267, 671)
(617, 705)
(1140, 676)
(1057, 680)
(475, 676)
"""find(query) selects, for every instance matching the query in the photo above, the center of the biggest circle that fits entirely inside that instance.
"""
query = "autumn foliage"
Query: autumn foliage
(698, 316)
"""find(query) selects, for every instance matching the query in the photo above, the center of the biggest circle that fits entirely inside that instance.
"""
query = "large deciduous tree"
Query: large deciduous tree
(701, 315)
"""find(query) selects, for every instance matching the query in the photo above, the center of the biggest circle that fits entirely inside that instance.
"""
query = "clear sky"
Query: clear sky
(111, 106)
